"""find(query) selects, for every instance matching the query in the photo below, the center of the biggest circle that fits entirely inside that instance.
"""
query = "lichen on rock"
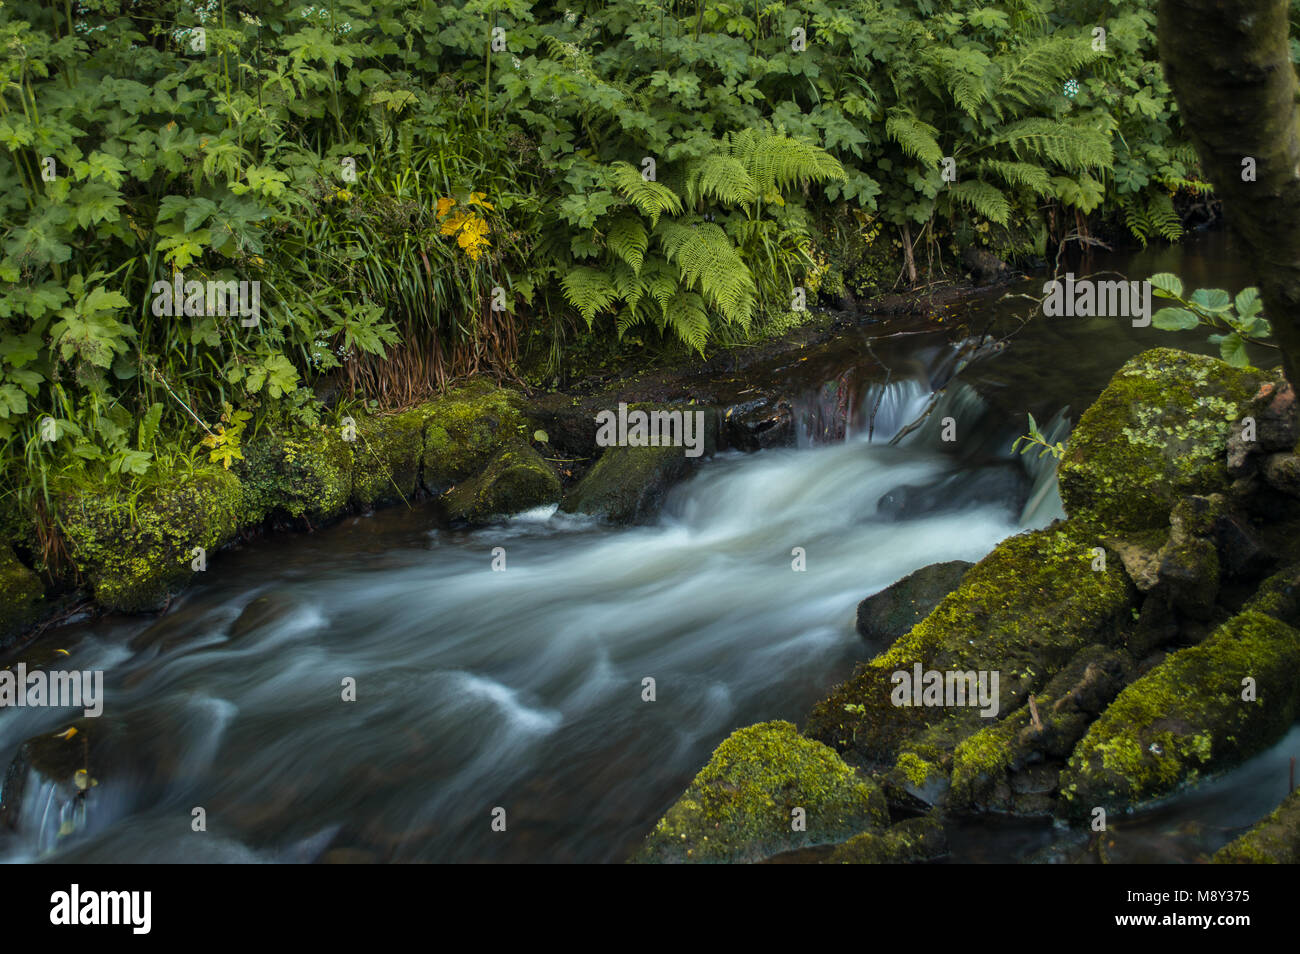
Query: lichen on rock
(740, 807)
(1158, 432)
(1190, 715)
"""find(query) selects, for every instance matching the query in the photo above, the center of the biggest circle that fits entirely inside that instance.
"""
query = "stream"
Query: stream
(522, 688)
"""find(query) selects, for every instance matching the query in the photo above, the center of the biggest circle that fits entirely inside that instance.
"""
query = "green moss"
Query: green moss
(387, 456)
(984, 757)
(739, 807)
(1024, 611)
(1157, 433)
(909, 842)
(516, 479)
(302, 475)
(1279, 596)
(21, 594)
(138, 551)
(465, 428)
(1273, 841)
(628, 484)
(1187, 717)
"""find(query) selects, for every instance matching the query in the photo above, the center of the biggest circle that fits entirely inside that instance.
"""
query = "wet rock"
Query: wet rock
(1187, 717)
(137, 553)
(1158, 432)
(913, 841)
(1279, 596)
(299, 475)
(1001, 484)
(760, 424)
(387, 456)
(515, 480)
(464, 429)
(741, 806)
(21, 596)
(1282, 472)
(1277, 428)
(984, 267)
(893, 611)
(1024, 611)
(1242, 554)
(1275, 840)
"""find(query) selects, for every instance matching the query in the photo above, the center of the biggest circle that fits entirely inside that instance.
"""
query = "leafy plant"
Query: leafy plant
(1027, 442)
(1236, 321)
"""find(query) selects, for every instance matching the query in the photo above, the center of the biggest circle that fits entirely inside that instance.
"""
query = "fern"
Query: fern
(915, 138)
(984, 199)
(723, 177)
(1154, 216)
(627, 238)
(688, 319)
(651, 198)
(1025, 174)
(708, 261)
(590, 290)
(1036, 71)
(775, 161)
(1072, 147)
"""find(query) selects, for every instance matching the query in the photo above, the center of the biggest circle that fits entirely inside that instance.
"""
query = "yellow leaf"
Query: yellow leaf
(82, 779)
(72, 730)
(444, 206)
(63, 651)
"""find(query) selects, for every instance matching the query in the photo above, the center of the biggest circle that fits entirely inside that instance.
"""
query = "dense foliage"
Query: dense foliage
(422, 189)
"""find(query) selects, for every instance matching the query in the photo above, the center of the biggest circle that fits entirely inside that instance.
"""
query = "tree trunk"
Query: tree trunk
(1229, 64)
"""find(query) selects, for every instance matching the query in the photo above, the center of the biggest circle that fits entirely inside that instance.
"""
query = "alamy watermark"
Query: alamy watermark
(211, 298)
(651, 429)
(949, 688)
(1086, 298)
(79, 689)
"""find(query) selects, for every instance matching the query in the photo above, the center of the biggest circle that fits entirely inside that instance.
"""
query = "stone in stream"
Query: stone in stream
(21, 595)
(741, 807)
(908, 842)
(515, 480)
(1274, 840)
(1201, 710)
(889, 614)
(1001, 484)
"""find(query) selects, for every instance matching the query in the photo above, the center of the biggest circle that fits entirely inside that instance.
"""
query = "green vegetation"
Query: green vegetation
(1239, 317)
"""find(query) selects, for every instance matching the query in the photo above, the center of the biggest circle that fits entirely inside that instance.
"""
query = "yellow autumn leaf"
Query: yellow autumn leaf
(444, 205)
(72, 730)
(476, 198)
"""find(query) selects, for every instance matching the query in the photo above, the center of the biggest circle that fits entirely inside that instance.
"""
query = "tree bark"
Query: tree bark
(1229, 64)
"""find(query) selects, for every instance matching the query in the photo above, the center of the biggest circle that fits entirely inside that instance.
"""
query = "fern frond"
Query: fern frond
(914, 137)
(589, 290)
(723, 177)
(775, 161)
(689, 320)
(1027, 174)
(652, 198)
(709, 262)
(1036, 71)
(1072, 147)
(628, 239)
(984, 199)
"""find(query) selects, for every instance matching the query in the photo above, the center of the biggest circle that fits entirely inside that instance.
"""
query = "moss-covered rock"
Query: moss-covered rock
(628, 484)
(1273, 841)
(21, 595)
(741, 806)
(1023, 611)
(303, 475)
(516, 479)
(138, 551)
(387, 456)
(464, 428)
(889, 614)
(908, 842)
(1158, 432)
(1187, 717)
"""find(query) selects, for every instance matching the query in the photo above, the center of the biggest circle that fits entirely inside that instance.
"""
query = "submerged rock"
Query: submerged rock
(1158, 432)
(1273, 841)
(741, 806)
(893, 611)
(136, 553)
(1201, 710)
(1004, 484)
(515, 480)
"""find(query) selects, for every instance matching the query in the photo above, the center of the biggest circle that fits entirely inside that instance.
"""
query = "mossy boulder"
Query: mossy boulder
(912, 841)
(387, 455)
(1024, 611)
(1158, 432)
(1273, 841)
(21, 595)
(301, 474)
(1187, 717)
(628, 484)
(137, 552)
(889, 614)
(464, 429)
(516, 479)
(741, 806)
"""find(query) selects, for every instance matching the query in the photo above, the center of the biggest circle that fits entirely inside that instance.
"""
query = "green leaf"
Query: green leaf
(1175, 319)
(1212, 299)
(1167, 285)
(1233, 351)
(1247, 302)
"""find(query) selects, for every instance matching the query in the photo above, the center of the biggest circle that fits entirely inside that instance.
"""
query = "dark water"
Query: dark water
(522, 689)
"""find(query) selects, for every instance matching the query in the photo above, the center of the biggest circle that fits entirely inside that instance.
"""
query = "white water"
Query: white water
(476, 689)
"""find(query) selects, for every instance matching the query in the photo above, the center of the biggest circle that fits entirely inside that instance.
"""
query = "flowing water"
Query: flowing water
(524, 688)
